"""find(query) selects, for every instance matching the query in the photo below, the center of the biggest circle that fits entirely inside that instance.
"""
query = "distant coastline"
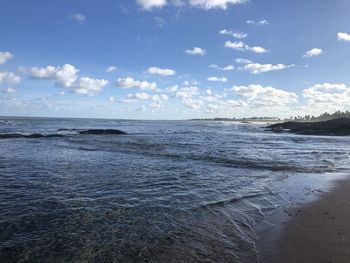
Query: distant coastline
(247, 120)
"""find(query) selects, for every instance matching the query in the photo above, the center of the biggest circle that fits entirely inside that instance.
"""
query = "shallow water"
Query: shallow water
(169, 191)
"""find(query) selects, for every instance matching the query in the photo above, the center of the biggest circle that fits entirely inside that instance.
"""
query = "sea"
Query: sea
(166, 191)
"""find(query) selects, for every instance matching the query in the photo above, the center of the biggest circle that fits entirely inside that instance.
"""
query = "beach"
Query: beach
(316, 232)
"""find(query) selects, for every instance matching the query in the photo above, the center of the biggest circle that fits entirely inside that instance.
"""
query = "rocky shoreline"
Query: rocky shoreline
(335, 127)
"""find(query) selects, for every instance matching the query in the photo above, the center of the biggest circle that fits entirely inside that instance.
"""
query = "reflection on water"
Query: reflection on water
(166, 192)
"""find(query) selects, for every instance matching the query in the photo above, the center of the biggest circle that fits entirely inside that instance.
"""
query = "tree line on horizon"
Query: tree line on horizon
(323, 117)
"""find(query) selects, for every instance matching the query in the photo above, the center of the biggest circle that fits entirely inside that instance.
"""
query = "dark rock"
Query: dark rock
(336, 127)
(102, 132)
(29, 136)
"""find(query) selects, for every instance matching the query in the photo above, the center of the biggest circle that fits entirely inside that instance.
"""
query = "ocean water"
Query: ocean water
(168, 191)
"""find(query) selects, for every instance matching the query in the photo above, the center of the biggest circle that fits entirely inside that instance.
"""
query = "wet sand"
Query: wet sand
(318, 232)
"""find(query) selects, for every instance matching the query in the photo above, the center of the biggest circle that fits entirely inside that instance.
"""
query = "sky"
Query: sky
(174, 59)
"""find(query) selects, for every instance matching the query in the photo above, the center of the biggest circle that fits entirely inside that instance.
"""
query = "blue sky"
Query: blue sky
(174, 59)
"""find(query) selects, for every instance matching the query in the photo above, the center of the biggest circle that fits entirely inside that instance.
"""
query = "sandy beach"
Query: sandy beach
(317, 232)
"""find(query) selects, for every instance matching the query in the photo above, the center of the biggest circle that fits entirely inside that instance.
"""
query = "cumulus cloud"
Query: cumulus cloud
(111, 69)
(157, 99)
(129, 83)
(256, 49)
(239, 35)
(239, 45)
(196, 51)
(327, 96)
(79, 18)
(343, 37)
(242, 61)
(189, 97)
(5, 56)
(261, 96)
(217, 79)
(88, 86)
(187, 92)
(139, 96)
(203, 4)
(256, 68)
(313, 52)
(150, 4)
(215, 4)
(257, 23)
(194, 104)
(160, 71)
(226, 68)
(9, 78)
(66, 76)
(224, 106)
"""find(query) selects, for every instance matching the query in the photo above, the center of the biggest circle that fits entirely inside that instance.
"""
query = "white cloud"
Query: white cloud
(111, 99)
(139, 96)
(194, 104)
(158, 99)
(260, 96)
(217, 79)
(256, 49)
(5, 56)
(196, 51)
(160, 22)
(88, 86)
(128, 83)
(66, 76)
(203, 4)
(150, 4)
(313, 52)
(257, 23)
(171, 89)
(327, 96)
(189, 97)
(239, 45)
(233, 34)
(79, 18)
(242, 61)
(111, 69)
(224, 106)
(187, 92)
(10, 91)
(343, 37)
(215, 4)
(256, 68)
(10, 78)
(226, 68)
(160, 71)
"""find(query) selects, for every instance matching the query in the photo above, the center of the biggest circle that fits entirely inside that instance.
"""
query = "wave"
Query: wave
(220, 203)
(185, 153)
(9, 122)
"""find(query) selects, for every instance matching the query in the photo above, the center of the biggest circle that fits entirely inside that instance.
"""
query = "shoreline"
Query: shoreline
(318, 231)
